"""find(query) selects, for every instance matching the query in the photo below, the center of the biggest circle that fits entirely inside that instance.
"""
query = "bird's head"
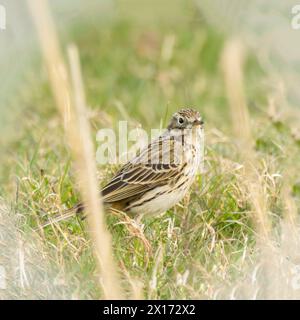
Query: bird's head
(186, 119)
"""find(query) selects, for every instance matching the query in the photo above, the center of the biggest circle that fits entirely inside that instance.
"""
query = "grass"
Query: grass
(204, 248)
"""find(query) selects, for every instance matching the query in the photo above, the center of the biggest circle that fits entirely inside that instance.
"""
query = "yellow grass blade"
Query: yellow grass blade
(71, 104)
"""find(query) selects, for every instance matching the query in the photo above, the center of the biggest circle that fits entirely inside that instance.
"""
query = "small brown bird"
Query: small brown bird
(161, 174)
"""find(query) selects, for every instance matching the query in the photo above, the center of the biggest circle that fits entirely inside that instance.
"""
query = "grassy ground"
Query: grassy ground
(144, 71)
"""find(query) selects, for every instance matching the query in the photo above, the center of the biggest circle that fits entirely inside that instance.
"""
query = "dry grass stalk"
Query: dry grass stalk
(272, 280)
(233, 59)
(78, 134)
(52, 55)
(89, 184)
(232, 64)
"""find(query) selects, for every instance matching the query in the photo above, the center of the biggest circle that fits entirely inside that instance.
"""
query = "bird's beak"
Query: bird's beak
(198, 122)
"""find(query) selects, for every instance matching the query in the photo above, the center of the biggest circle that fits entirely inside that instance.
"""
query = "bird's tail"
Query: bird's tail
(76, 210)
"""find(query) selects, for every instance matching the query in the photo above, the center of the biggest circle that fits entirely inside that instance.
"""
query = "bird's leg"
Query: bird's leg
(186, 211)
(135, 228)
(185, 222)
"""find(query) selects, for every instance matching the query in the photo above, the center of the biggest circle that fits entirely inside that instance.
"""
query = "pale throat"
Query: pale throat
(191, 136)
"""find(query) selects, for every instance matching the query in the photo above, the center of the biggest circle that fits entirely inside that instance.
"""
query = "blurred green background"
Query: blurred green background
(142, 60)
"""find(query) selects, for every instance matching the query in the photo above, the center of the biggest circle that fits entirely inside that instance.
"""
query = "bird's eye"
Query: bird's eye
(180, 120)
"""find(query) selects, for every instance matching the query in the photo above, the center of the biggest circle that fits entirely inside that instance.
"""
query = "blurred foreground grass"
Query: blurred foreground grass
(143, 70)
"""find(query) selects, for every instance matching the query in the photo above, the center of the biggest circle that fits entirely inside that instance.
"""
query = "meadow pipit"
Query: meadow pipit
(161, 174)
